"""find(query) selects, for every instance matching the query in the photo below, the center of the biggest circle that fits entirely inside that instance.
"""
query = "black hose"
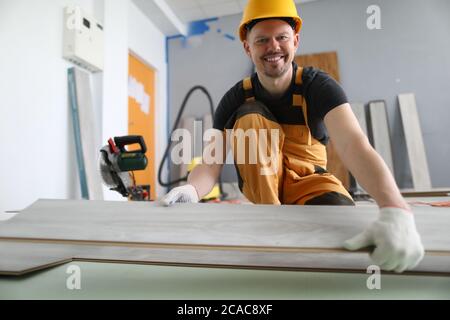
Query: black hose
(175, 126)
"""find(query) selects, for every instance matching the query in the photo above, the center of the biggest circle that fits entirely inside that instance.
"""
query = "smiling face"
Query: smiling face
(271, 44)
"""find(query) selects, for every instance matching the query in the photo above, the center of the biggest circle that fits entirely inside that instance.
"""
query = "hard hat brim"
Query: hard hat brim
(243, 27)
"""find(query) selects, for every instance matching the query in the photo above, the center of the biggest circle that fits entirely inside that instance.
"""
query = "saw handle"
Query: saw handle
(121, 142)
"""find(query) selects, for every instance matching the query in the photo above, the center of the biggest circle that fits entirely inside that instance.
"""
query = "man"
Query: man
(305, 107)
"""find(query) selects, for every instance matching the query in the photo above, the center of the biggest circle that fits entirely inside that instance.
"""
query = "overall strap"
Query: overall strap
(298, 101)
(248, 90)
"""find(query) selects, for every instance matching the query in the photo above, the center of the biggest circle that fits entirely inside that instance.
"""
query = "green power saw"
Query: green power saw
(117, 164)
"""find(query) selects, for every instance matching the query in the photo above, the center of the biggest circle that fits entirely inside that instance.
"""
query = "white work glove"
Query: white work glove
(397, 243)
(184, 194)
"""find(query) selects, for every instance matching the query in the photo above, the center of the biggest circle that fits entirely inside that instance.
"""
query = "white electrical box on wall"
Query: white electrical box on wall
(83, 39)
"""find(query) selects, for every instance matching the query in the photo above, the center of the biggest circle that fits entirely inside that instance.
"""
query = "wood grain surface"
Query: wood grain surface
(267, 226)
(88, 132)
(18, 258)
(414, 142)
(380, 132)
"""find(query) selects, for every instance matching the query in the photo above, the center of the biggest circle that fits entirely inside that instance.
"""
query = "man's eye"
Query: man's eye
(283, 38)
(261, 41)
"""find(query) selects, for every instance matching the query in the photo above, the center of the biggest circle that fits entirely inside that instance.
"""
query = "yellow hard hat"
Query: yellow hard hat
(261, 9)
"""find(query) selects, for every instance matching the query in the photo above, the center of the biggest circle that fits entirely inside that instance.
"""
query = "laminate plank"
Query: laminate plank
(25, 257)
(18, 258)
(88, 137)
(410, 193)
(414, 142)
(360, 114)
(277, 227)
(432, 192)
(380, 132)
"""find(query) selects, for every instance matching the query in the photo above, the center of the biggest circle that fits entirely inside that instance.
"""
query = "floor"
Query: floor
(130, 281)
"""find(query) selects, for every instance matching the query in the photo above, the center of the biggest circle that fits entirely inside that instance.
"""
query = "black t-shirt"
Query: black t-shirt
(321, 92)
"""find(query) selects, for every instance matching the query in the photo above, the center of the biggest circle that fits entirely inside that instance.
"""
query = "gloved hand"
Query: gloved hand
(185, 194)
(397, 242)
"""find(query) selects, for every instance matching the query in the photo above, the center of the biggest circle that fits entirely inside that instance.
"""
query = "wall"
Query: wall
(115, 76)
(149, 44)
(38, 157)
(411, 53)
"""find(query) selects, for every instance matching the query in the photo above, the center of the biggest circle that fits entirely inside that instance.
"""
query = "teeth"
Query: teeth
(273, 59)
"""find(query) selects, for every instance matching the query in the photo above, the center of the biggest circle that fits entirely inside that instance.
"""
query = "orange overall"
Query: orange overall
(300, 176)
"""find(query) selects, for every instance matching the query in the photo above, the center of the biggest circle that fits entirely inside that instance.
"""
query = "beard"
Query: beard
(276, 72)
(276, 69)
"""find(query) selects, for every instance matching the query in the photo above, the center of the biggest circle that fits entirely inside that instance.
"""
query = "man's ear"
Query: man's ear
(296, 41)
(247, 48)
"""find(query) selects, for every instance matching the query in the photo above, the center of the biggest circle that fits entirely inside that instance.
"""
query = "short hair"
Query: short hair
(288, 20)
